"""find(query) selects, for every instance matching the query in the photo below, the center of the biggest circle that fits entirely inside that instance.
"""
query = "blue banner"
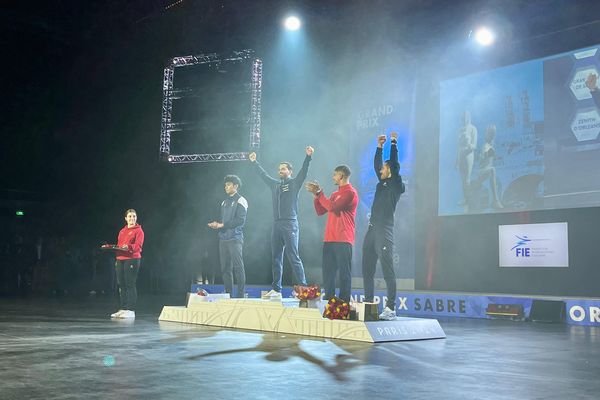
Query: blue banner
(583, 312)
(579, 311)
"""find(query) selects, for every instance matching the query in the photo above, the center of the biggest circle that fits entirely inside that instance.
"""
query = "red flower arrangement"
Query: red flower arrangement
(337, 308)
(307, 292)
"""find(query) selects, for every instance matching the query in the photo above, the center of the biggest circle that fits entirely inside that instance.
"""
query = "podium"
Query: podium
(285, 316)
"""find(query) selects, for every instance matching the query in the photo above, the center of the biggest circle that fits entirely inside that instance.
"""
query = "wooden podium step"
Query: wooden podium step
(284, 317)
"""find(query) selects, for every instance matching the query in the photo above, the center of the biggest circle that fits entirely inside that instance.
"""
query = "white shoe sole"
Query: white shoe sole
(276, 295)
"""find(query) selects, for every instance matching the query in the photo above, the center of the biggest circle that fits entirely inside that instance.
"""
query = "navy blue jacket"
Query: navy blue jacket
(388, 190)
(285, 191)
(233, 217)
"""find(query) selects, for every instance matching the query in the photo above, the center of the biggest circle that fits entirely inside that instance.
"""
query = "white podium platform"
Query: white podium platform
(285, 317)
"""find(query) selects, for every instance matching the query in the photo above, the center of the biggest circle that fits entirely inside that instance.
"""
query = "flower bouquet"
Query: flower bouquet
(337, 308)
(307, 292)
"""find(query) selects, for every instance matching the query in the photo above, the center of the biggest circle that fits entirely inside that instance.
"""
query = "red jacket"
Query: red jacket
(341, 206)
(132, 237)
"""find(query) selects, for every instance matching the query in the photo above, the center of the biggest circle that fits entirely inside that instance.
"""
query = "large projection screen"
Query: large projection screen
(521, 137)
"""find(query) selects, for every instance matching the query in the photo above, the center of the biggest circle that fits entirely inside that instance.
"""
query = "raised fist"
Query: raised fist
(394, 136)
(309, 151)
(252, 156)
(381, 139)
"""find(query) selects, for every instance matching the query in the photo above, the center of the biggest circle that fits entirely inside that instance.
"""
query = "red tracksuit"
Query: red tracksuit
(132, 237)
(341, 206)
(339, 238)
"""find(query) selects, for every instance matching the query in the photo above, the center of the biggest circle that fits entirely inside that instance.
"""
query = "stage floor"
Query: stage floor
(67, 348)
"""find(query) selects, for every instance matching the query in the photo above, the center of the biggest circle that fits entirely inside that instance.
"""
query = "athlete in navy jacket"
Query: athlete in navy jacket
(285, 231)
(231, 236)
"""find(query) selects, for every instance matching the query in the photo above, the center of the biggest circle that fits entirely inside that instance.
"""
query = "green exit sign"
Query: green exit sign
(20, 213)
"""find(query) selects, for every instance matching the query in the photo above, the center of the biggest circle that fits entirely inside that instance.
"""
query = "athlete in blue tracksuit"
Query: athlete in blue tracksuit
(231, 236)
(285, 214)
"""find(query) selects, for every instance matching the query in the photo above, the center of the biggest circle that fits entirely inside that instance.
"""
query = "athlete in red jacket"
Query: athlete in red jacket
(127, 266)
(339, 231)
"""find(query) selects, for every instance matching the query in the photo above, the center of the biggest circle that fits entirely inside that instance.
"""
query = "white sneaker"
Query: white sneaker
(388, 314)
(128, 314)
(272, 294)
(117, 314)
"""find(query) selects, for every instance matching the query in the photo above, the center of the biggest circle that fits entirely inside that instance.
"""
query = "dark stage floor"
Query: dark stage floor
(70, 349)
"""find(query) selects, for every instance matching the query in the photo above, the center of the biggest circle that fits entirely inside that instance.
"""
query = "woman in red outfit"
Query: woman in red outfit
(127, 266)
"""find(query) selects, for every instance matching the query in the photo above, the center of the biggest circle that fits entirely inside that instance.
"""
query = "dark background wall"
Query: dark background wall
(83, 90)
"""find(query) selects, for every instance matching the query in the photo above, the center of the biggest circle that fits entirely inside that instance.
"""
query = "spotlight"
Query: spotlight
(484, 36)
(292, 23)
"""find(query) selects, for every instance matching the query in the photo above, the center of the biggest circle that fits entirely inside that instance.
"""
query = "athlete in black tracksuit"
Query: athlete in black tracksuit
(379, 240)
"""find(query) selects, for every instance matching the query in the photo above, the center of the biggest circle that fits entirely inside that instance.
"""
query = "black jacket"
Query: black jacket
(388, 190)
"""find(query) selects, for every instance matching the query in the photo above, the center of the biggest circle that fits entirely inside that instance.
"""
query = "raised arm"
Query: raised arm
(269, 180)
(378, 160)
(304, 170)
(395, 165)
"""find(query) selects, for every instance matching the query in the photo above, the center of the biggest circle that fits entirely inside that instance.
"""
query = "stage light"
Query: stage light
(292, 23)
(484, 36)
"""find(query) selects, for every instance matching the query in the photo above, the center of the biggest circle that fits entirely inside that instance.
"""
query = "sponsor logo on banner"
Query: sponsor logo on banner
(405, 329)
(586, 125)
(534, 245)
(425, 304)
(577, 83)
(579, 312)
(583, 312)
(371, 118)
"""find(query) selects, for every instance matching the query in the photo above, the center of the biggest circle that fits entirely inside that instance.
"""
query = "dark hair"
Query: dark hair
(233, 179)
(287, 164)
(344, 169)
(131, 210)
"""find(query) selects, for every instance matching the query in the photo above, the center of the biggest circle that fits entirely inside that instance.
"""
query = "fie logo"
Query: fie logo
(520, 249)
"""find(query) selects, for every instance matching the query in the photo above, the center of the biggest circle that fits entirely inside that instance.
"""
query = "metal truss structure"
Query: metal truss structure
(170, 93)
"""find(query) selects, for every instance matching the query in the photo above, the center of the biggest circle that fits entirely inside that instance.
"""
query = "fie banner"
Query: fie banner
(534, 245)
